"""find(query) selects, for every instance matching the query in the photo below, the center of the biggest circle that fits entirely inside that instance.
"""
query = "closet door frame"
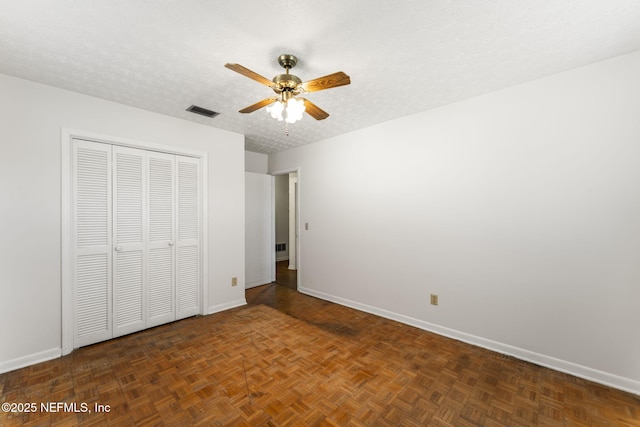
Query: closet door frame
(66, 139)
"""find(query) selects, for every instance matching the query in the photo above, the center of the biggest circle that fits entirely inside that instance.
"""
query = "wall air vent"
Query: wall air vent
(202, 111)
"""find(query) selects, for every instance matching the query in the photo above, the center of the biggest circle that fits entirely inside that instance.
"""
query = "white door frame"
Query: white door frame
(273, 225)
(66, 137)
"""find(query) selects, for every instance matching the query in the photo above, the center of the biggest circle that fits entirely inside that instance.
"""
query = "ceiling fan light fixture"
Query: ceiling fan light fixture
(295, 110)
(275, 110)
(290, 111)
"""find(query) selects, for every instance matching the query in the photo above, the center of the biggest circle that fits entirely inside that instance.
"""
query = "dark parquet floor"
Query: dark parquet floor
(290, 359)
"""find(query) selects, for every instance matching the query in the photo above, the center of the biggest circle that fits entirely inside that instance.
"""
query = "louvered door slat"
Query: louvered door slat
(128, 289)
(129, 197)
(92, 296)
(91, 195)
(161, 197)
(129, 225)
(160, 239)
(161, 289)
(189, 273)
(188, 200)
(188, 243)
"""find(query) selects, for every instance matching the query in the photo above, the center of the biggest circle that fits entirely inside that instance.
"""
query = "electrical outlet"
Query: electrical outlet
(234, 281)
(434, 299)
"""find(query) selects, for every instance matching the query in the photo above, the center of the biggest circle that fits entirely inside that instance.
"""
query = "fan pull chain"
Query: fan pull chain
(286, 128)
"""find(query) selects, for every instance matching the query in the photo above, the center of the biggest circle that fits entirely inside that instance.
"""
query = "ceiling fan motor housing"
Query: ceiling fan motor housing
(286, 83)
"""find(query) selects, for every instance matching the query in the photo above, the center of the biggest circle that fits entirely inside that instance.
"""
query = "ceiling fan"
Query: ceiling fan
(286, 106)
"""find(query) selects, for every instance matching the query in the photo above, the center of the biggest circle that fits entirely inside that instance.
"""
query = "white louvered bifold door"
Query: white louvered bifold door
(188, 237)
(129, 229)
(161, 238)
(136, 239)
(91, 270)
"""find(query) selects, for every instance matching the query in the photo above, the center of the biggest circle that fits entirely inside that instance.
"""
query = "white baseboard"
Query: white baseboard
(284, 257)
(601, 377)
(226, 306)
(32, 359)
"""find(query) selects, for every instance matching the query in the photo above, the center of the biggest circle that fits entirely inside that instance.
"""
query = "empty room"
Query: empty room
(420, 213)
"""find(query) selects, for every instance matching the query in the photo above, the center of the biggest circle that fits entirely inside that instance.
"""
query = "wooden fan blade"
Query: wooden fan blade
(326, 82)
(314, 111)
(259, 105)
(248, 73)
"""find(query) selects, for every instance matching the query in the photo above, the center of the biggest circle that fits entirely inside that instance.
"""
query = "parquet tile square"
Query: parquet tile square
(291, 360)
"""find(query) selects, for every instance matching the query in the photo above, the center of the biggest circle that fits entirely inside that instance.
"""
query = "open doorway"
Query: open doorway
(286, 229)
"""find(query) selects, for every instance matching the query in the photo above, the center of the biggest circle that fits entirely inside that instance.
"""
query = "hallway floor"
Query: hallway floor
(286, 277)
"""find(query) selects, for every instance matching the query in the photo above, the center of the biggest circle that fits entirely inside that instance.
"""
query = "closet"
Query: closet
(135, 239)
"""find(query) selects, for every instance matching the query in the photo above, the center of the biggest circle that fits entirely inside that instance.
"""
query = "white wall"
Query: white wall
(259, 268)
(258, 229)
(30, 197)
(519, 208)
(256, 162)
(282, 214)
(293, 220)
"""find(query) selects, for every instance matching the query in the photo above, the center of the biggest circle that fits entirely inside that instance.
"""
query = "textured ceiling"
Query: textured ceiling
(403, 57)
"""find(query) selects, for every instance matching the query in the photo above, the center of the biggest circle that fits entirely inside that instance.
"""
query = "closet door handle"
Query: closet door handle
(170, 243)
(118, 248)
